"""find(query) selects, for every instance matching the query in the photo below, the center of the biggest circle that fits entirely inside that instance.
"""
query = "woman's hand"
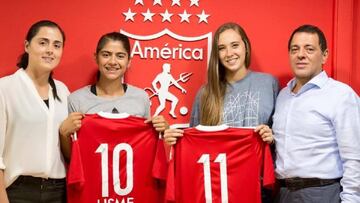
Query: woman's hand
(71, 124)
(159, 122)
(171, 136)
(266, 133)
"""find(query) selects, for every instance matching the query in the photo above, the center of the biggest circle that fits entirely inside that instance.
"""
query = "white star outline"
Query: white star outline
(184, 17)
(203, 17)
(157, 2)
(139, 2)
(148, 15)
(166, 16)
(129, 15)
(194, 2)
(175, 2)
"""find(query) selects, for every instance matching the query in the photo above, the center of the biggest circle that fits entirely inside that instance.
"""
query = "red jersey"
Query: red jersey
(115, 160)
(221, 166)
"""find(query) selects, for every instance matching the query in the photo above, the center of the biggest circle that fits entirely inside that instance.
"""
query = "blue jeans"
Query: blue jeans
(28, 189)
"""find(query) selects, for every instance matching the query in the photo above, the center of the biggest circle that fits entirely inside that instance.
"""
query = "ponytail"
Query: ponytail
(23, 63)
(53, 86)
(23, 60)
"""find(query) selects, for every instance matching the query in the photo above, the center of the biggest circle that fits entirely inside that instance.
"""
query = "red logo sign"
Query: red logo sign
(169, 66)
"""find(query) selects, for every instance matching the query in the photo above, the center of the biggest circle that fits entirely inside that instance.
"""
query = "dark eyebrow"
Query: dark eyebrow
(309, 45)
(47, 40)
(43, 38)
(231, 43)
(104, 51)
(58, 42)
(109, 52)
(294, 46)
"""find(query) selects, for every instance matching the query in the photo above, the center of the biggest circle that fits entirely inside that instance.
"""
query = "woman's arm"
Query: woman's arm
(70, 125)
(3, 195)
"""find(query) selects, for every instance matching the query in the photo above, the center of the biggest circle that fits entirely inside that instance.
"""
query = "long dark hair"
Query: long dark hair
(112, 36)
(23, 60)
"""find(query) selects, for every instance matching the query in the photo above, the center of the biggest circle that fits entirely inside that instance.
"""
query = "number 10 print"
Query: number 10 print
(103, 150)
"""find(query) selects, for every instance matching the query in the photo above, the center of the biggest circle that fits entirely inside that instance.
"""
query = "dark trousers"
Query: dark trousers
(323, 194)
(28, 189)
(266, 196)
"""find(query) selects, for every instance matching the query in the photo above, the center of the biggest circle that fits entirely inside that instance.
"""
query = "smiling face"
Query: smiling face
(306, 57)
(232, 53)
(113, 60)
(45, 49)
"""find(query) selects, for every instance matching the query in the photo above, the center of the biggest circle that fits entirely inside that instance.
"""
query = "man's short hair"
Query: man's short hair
(310, 29)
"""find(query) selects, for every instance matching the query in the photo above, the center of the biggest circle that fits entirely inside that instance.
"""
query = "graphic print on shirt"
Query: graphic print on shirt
(242, 109)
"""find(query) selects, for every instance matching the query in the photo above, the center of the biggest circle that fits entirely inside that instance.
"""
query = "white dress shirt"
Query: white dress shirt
(29, 138)
(317, 133)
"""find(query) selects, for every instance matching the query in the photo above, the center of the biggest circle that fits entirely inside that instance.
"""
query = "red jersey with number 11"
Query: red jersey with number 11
(114, 160)
(219, 165)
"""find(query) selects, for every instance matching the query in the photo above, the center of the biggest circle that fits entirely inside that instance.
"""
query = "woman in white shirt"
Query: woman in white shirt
(32, 107)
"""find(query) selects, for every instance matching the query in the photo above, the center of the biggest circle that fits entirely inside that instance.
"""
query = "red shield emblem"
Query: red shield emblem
(170, 68)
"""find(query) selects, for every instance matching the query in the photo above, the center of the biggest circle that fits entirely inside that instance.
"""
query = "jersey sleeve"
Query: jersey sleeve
(75, 176)
(160, 166)
(170, 181)
(268, 168)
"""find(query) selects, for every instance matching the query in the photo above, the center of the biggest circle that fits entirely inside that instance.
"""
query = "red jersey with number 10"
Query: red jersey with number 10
(213, 165)
(113, 160)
